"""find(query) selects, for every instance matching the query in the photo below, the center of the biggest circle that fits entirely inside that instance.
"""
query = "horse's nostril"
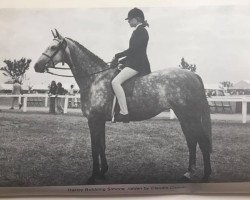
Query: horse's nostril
(36, 68)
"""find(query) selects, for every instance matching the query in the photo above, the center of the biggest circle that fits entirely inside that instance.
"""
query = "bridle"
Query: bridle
(62, 46)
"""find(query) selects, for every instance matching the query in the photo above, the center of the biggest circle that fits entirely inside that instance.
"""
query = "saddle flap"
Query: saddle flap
(129, 85)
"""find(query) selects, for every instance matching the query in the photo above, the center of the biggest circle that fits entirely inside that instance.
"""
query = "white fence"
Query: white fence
(243, 99)
(45, 96)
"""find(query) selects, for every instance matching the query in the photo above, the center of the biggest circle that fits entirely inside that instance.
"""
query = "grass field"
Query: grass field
(42, 150)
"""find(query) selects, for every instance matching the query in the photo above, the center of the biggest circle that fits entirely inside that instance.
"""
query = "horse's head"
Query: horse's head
(54, 54)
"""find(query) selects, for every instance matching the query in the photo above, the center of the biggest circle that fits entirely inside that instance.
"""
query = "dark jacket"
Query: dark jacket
(136, 55)
(53, 89)
(61, 91)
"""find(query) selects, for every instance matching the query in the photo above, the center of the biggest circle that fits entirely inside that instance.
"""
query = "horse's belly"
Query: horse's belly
(139, 116)
(141, 108)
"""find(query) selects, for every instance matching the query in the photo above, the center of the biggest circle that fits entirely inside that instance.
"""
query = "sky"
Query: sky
(215, 38)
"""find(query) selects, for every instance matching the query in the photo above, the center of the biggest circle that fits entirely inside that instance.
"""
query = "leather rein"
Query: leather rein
(62, 46)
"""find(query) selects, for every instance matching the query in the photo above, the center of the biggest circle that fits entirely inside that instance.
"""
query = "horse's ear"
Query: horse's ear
(53, 34)
(58, 35)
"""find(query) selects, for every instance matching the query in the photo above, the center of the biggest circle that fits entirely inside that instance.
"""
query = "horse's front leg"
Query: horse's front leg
(95, 149)
(102, 142)
(97, 133)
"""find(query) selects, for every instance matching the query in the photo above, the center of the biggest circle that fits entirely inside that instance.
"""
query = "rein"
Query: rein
(111, 67)
(63, 45)
(61, 68)
(59, 74)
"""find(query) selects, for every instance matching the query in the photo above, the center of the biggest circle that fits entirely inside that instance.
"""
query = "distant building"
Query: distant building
(214, 90)
(242, 85)
(7, 88)
(241, 88)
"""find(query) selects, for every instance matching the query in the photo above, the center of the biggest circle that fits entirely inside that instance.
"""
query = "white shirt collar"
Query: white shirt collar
(138, 25)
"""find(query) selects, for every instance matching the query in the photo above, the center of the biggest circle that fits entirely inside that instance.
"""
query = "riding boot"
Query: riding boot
(122, 118)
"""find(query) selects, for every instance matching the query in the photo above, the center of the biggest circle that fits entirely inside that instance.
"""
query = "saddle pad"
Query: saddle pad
(129, 85)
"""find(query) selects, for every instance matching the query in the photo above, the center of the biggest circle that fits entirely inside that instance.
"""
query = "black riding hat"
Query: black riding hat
(135, 12)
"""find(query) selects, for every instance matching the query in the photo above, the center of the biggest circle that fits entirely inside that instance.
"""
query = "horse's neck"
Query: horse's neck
(82, 66)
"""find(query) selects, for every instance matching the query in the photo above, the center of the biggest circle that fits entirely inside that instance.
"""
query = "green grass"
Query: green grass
(42, 150)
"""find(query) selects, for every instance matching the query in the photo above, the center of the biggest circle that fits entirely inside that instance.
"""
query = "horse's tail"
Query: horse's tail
(205, 116)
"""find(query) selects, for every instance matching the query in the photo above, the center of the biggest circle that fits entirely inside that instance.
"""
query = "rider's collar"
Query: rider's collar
(138, 25)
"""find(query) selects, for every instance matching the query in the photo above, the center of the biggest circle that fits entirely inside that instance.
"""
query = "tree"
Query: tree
(226, 84)
(185, 65)
(16, 69)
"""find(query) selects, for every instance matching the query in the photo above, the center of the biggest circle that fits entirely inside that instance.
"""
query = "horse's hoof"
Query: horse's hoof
(104, 170)
(101, 176)
(205, 179)
(91, 181)
(184, 179)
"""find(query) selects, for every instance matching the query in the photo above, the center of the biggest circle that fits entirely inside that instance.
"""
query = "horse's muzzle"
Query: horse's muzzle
(39, 68)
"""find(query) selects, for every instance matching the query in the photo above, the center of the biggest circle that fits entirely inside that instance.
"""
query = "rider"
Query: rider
(135, 61)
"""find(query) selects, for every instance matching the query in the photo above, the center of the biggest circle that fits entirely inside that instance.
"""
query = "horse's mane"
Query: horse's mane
(91, 55)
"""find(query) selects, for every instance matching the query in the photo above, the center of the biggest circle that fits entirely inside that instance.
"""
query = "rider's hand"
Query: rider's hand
(114, 62)
(114, 59)
(120, 66)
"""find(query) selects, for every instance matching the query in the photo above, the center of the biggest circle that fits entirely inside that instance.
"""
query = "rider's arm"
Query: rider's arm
(139, 38)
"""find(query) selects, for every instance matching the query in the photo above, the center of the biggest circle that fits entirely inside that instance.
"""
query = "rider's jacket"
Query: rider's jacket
(136, 55)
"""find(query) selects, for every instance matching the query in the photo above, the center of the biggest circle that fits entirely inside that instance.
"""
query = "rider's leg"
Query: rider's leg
(124, 75)
(14, 99)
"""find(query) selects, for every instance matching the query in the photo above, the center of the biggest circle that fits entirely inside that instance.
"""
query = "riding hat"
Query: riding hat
(135, 12)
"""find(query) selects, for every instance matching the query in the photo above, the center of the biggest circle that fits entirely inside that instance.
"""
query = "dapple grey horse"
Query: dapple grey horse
(181, 90)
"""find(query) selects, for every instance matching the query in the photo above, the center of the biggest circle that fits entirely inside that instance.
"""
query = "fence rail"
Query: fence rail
(243, 99)
(45, 96)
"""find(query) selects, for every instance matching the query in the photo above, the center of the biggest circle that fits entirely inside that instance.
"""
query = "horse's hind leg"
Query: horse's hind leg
(194, 132)
(205, 149)
(191, 139)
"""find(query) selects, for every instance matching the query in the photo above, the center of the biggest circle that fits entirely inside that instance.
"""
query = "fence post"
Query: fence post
(25, 103)
(19, 99)
(244, 110)
(172, 114)
(75, 102)
(46, 101)
(65, 109)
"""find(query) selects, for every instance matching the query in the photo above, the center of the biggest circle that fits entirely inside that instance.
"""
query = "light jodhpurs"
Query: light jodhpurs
(124, 75)
(59, 108)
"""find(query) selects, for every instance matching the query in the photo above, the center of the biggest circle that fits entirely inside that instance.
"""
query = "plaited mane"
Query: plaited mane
(92, 56)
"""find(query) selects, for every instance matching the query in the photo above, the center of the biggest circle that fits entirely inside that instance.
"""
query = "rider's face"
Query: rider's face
(133, 22)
